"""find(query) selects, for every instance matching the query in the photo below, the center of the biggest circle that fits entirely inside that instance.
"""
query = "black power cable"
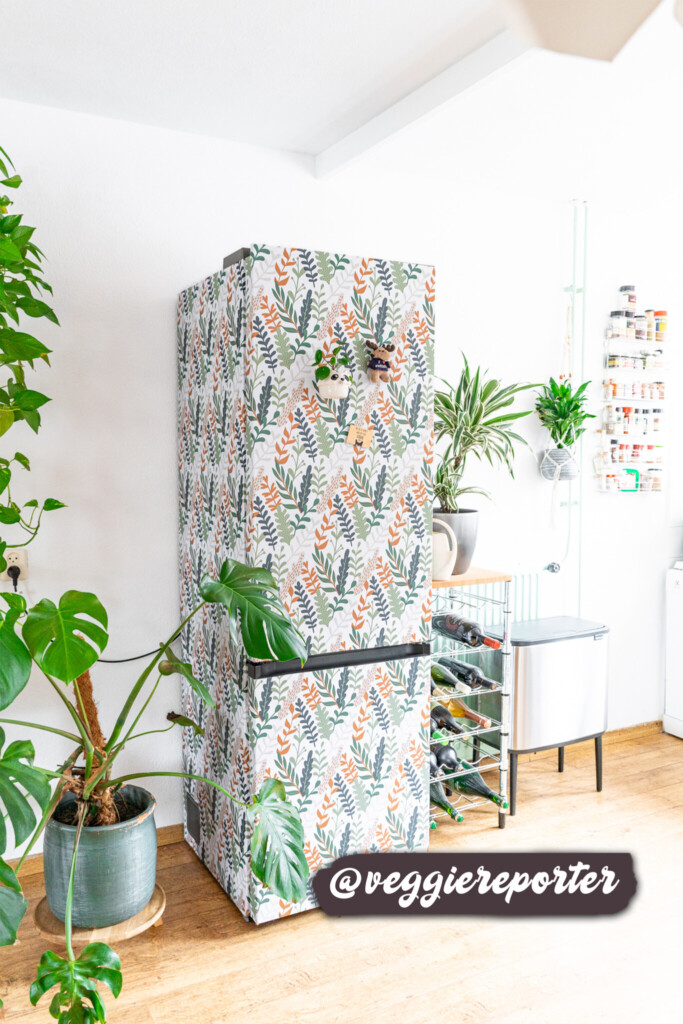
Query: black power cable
(137, 657)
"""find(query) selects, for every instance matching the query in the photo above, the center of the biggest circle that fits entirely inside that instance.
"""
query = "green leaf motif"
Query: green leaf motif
(51, 633)
(174, 666)
(267, 630)
(50, 504)
(19, 781)
(277, 843)
(78, 1000)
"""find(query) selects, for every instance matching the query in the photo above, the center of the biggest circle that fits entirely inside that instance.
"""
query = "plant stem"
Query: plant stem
(132, 696)
(119, 746)
(72, 711)
(149, 732)
(70, 891)
(176, 775)
(44, 728)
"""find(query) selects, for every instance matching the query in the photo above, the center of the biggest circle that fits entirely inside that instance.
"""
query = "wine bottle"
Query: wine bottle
(446, 759)
(443, 676)
(469, 674)
(438, 797)
(459, 709)
(441, 718)
(464, 630)
(474, 785)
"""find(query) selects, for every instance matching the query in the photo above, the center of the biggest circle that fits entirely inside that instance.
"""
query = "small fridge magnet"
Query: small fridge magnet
(332, 374)
(379, 367)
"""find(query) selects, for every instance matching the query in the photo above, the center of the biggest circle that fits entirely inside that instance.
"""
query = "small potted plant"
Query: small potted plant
(562, 411)
(332, 374)
(469, 417)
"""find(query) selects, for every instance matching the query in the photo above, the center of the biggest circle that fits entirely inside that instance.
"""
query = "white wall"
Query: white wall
(128, 216)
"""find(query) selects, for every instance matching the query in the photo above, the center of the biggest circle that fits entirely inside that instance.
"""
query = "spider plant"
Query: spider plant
(562, 411)
(469, 417)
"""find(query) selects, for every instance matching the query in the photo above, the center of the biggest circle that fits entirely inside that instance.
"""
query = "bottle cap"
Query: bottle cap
(495, 644)
(627, 288)
(660, 312)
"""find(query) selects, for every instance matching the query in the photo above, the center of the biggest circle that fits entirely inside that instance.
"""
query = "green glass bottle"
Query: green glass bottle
(474, 785)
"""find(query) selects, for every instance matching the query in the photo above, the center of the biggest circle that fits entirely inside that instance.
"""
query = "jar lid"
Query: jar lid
(660, 312)
(629, 313)
(617, 312)
(640, 316)
(627, 288)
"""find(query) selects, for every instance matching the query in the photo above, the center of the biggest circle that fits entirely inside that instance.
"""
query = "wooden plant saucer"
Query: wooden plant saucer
(149, 917)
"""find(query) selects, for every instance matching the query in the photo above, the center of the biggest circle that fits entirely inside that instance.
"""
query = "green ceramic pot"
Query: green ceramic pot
(115, 869)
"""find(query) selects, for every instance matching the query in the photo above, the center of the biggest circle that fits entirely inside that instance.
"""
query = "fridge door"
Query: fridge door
(350, 745)
(266, 471)
(345, 529)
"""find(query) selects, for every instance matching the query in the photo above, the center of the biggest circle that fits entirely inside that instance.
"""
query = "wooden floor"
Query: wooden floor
(207, 965)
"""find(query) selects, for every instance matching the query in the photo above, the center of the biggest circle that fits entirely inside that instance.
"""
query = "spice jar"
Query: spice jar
(650, 318)
(630, 324)
(661, 319)
(641, 327)
(627, 297)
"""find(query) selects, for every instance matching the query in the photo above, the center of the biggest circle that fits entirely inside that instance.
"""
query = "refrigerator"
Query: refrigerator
(334, 496)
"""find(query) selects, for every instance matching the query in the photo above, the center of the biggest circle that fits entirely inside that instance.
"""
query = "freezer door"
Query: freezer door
(344, 528)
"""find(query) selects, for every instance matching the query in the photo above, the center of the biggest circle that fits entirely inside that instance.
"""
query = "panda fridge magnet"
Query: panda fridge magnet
(379, 367)
(332, 374)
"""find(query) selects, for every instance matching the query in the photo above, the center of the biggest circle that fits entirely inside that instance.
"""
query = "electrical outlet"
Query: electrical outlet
(19, 558)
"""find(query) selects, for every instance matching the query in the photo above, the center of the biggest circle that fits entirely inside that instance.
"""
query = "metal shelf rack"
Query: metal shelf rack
(489, 594)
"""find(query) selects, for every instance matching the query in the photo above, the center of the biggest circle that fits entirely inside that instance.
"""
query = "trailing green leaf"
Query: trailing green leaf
(13, 905)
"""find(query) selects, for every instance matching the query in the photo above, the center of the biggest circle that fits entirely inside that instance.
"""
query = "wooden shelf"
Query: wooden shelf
(472, 578)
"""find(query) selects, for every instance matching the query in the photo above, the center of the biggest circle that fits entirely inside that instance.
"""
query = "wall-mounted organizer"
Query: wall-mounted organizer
(481, 748)
(631, 427)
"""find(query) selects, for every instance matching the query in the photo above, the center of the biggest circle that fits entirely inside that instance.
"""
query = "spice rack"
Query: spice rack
(484, 748)
(631, 432)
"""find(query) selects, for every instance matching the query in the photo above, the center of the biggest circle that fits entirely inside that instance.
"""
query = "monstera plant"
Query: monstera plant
(64, 640)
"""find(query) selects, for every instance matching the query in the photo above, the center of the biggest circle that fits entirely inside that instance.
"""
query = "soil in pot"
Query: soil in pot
(67, 813)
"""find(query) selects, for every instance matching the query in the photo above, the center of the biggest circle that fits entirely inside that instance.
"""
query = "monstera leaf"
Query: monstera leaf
(277, 843)
(267, 630)
(15, 660)
(19, 780)
(53, 634)
(13, 905)
(78, 1001)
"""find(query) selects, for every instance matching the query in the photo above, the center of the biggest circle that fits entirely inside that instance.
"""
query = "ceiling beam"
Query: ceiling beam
(464, 74)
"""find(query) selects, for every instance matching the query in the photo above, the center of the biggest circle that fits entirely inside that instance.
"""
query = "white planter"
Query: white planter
(559, 464)
(333, 388)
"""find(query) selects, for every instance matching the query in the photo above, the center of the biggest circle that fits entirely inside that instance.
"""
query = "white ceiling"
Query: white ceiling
(290, 74)
(563, 127)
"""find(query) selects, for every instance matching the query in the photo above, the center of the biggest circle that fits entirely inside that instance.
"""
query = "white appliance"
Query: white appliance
(673, 699)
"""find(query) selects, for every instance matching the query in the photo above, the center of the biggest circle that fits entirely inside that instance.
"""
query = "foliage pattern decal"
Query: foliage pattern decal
(266, 476)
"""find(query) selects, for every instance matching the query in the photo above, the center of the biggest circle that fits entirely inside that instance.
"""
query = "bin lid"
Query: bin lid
(547, 631)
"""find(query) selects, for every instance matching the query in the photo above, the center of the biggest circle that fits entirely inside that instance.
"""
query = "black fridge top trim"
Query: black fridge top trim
(235, 257)
(336, 659)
